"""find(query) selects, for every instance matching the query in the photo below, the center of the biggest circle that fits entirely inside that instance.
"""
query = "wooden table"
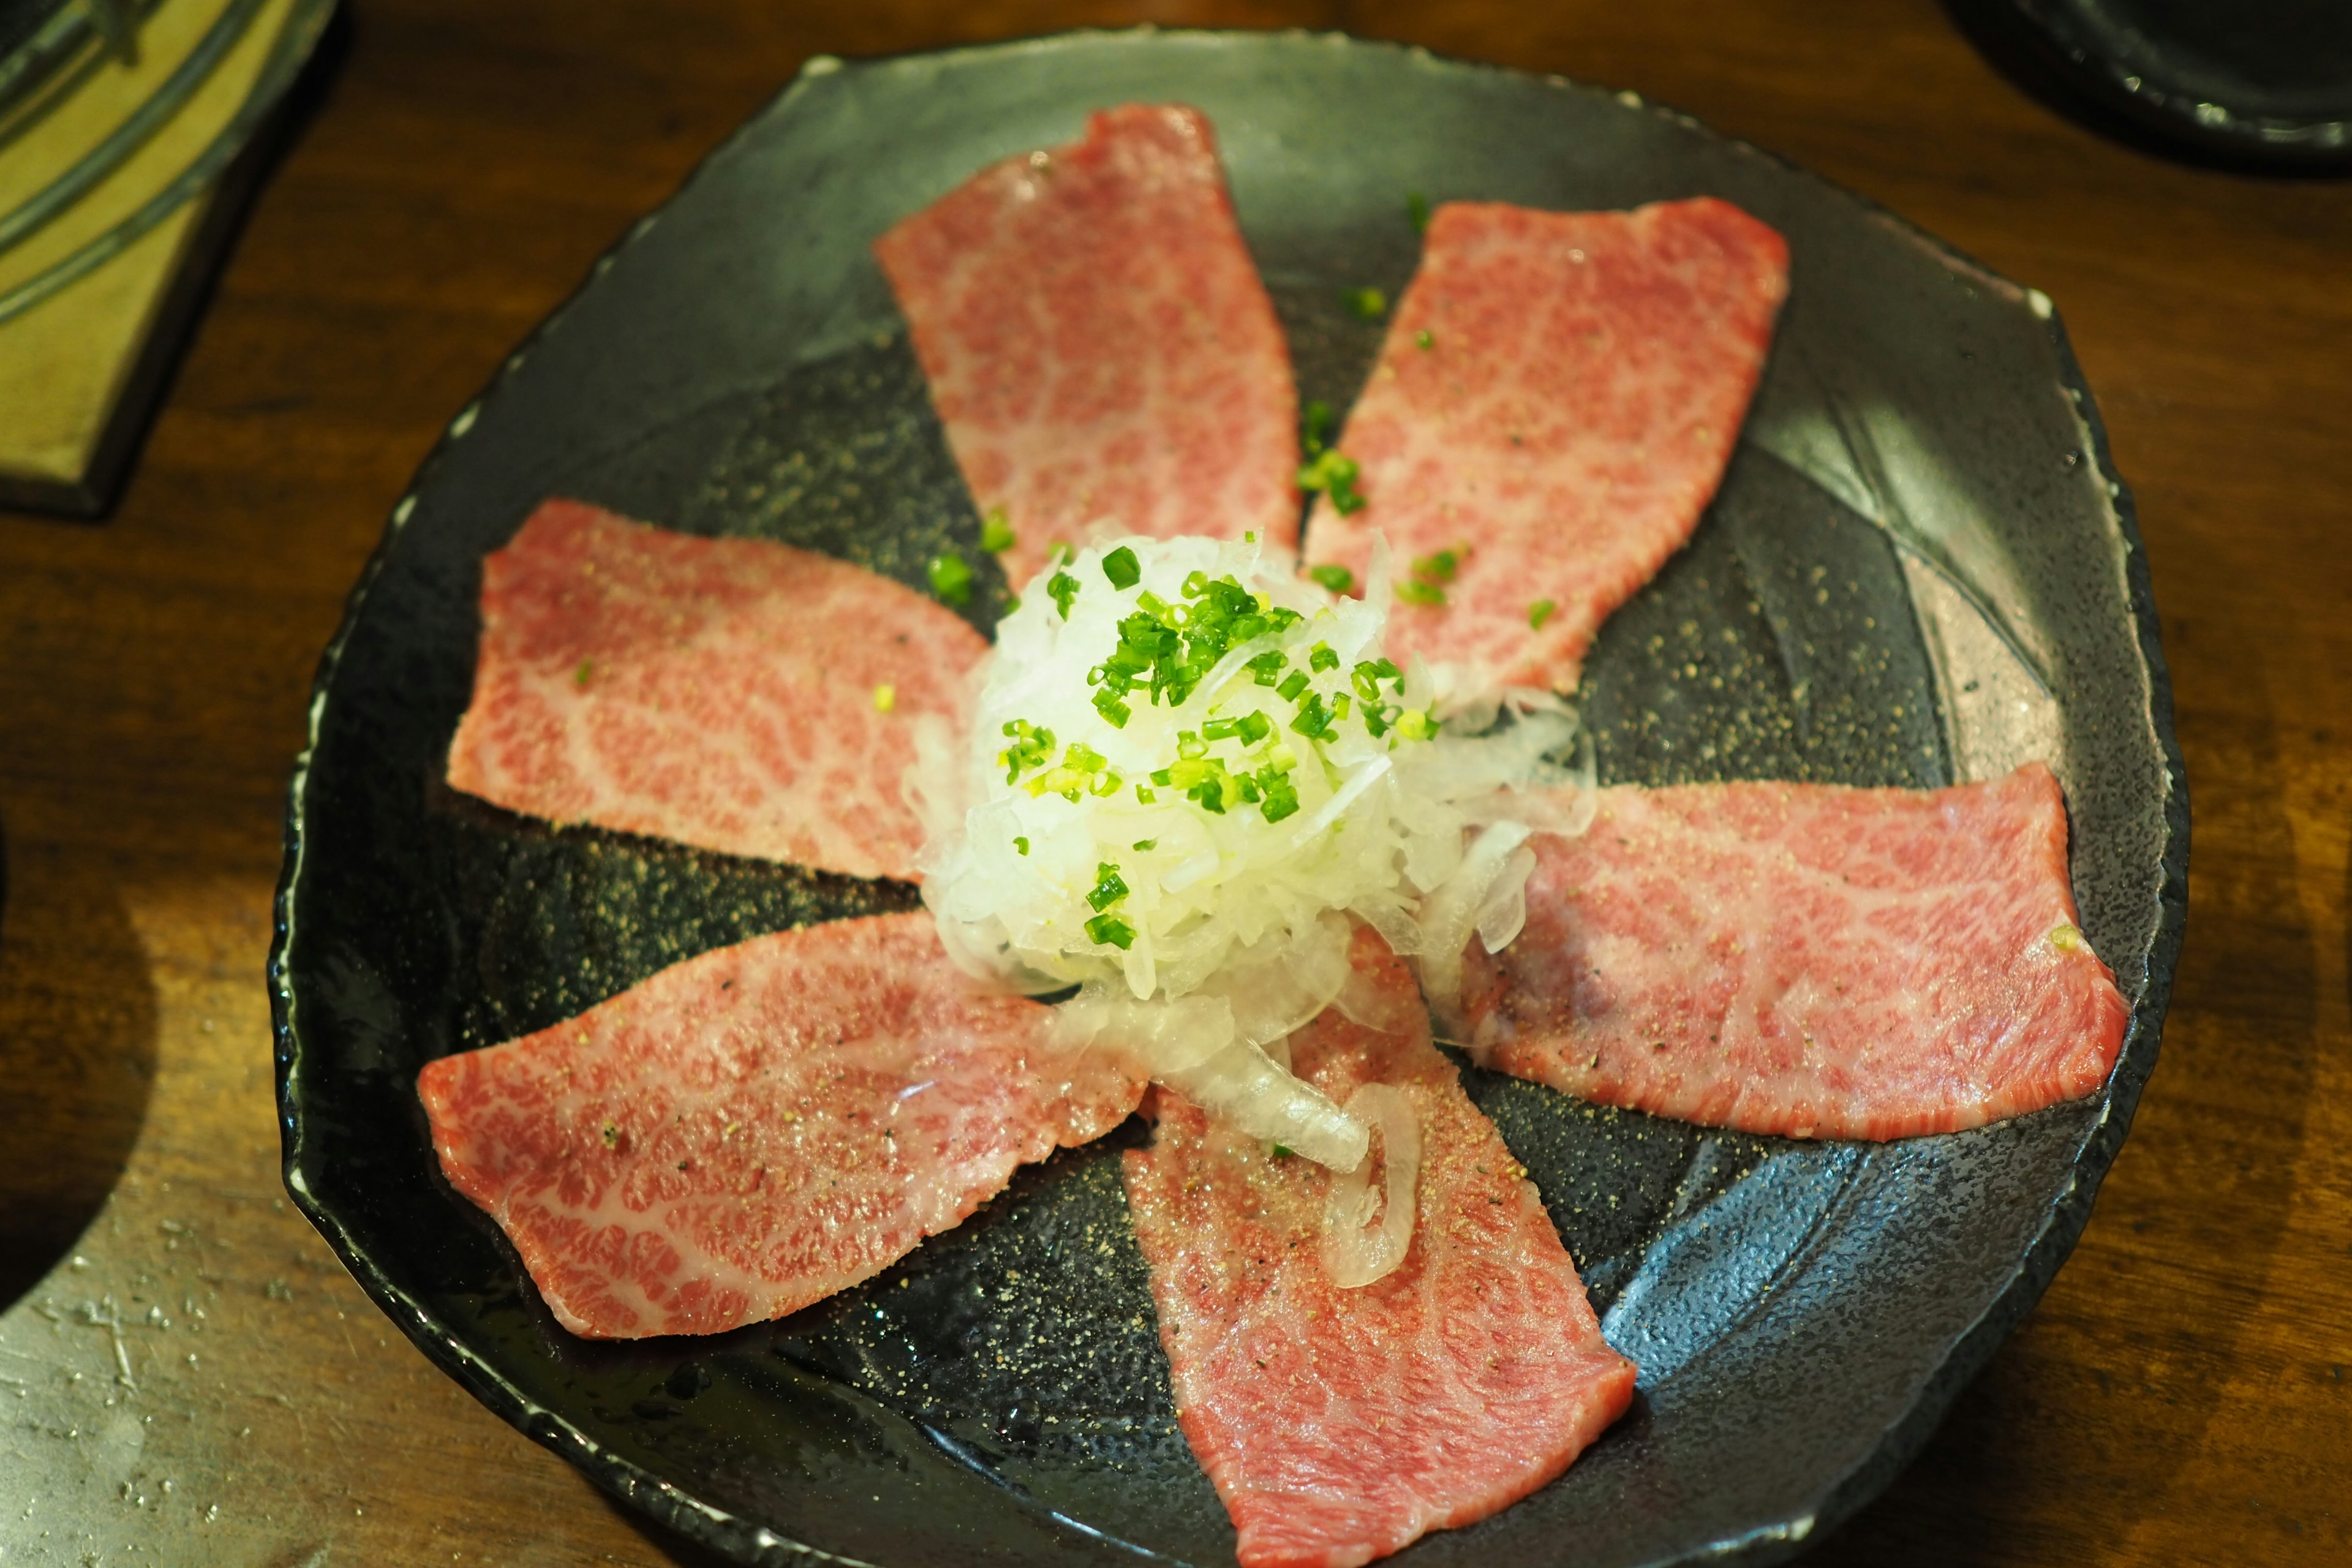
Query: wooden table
(2180, 1396)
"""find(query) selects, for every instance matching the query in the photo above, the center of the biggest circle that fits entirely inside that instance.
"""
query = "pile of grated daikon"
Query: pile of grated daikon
(1186, 770)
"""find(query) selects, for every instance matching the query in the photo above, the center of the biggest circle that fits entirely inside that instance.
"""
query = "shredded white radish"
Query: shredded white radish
(1189, 771)
(1356, 1251)
(1450, 913)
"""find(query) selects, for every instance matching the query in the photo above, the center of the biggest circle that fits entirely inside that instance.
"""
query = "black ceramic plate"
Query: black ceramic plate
(2259, 82)
(1921, 567)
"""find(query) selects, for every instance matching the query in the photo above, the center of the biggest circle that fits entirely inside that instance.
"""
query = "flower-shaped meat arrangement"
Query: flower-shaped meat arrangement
(1267, 815)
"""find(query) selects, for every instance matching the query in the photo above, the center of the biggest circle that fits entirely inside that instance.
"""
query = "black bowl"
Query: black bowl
(1921, 567)
(2252, 84)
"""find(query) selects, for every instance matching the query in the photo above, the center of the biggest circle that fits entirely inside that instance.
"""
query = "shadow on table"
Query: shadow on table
(77, 1054)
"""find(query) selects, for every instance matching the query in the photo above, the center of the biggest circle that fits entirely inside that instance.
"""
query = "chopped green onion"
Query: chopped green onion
(1438, 566)
(1292, 685)
(1145, 794)
(1335, 579)
(1268, 666)
(1314, 427)
(1314, 720)
(1112, 931)
(1416, 593)
(1142, 845)
(1416, 209)
(1281, 794)
(1416, 725)
(1539, 612)
(1320, 657)
(1022, 845)
(1122, 568)
(587, 668)
(1254, 727)
(1365, 304)
(1031, 748)
(996, 531)
(951, 579)
(1424, 339)
(1334, 474)
(1062, 588)
(1109, 889)
(1283, 1151)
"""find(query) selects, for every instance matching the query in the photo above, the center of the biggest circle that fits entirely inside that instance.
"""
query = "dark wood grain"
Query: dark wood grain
(2181, 1394)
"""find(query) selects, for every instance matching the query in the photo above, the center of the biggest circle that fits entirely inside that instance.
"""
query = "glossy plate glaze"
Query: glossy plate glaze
(1921, 568)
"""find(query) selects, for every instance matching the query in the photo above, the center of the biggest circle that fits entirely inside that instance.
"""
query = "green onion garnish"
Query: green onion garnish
(1122, 568)
(1062, 588)
(1031, 748)
(1314, 427)
(1140, 845)
(1421, 593)
(951, 579)
(1111, 929)
(1335, 579)
(1335, 474)
(1281, 796)
(587, 668)
(996, 531)
(1022, 845)
(1437, 567)
(1292, 685)
(1424, 339)
(1314, 720)
(1365, 304)
(1109, 889)
(1320, 657)
(1539, 612)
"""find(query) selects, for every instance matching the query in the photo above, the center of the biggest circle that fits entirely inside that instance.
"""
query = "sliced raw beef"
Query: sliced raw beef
(1098, 345)
(1806, 959)
(755, 1129)
(729, 693)
(1555, 403)
(1340, 1425)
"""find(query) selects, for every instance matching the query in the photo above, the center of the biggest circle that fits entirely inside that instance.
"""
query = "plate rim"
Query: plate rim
(1894, 1446)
